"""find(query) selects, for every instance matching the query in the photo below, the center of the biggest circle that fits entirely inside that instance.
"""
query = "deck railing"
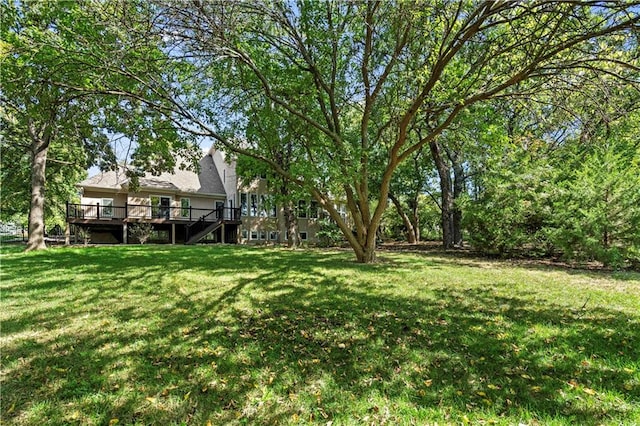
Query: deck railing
(141, 211)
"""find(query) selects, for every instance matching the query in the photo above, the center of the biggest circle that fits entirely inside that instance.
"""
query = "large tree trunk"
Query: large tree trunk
(36, 212)
(411, 232)
(446, 204)
(366, 253)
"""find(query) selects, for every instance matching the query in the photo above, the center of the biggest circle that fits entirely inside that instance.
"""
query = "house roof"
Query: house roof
(207, 181)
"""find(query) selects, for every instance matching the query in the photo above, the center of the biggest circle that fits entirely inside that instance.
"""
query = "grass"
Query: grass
(239, 335)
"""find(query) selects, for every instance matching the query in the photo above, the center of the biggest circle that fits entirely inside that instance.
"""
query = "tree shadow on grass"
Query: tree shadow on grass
(275, 346)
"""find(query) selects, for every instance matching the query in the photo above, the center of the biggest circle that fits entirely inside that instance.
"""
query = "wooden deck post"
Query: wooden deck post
(173, 233)
(124, 233)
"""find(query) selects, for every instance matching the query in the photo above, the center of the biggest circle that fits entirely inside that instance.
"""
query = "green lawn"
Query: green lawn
(224, 334)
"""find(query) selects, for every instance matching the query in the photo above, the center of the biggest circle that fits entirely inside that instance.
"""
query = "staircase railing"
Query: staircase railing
(201, 224)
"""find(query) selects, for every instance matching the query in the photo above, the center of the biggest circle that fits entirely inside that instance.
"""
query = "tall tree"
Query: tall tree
(372, 69)
(55, 91)
(36, 113)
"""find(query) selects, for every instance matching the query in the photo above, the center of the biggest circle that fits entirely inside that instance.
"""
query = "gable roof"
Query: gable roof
(207, 181)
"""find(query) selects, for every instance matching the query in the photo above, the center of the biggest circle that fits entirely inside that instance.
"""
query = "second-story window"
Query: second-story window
(302, 208)
(243, 204)
(254, 205)
(263, 206)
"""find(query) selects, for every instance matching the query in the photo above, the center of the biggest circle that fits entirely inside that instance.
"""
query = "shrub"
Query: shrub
(329, 234)
(141, 232)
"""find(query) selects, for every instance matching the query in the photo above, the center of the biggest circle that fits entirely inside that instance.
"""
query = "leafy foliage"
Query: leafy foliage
(329, 234)
(598, 207)
(577, 197)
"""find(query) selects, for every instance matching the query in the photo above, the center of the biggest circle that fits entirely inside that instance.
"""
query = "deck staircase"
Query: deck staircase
(203, 226)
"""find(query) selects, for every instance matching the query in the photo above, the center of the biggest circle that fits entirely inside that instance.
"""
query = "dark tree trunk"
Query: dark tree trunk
(446, 204)
(458, 190)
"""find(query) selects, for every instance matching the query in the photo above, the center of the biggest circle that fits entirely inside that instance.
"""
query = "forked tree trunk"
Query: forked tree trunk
(36, 211)
(366, 253)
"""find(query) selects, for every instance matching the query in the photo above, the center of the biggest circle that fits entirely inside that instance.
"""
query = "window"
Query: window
(303, 236)
(268, 206)
(243, 204)
(245, 234)
(302, 208)
(273, 235)
(313, 210)
(185, 207)
(107, 207)
(263, 235)
(160, 206)
(254, 235)
(254, 205)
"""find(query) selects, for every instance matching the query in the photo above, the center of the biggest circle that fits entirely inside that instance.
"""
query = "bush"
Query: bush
(141, 232)
(329, 234)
